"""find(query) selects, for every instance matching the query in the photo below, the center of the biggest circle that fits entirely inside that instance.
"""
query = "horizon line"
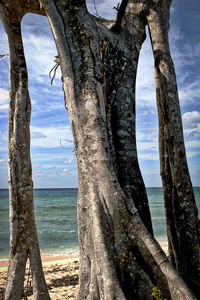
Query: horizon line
(61, 188)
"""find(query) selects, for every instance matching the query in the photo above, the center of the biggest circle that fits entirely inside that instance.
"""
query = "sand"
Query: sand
(61, 274)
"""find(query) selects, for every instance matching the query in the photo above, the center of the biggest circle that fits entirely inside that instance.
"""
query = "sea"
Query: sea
(55, 214)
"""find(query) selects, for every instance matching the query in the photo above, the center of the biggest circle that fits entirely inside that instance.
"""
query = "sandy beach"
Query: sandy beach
(61, 274)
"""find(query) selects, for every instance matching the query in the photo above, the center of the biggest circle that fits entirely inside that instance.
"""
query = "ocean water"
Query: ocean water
(55, 213)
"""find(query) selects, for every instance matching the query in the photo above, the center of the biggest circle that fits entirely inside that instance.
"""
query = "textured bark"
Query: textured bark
(23, 235)
(119, 259)
(120, 94)
(180, 207)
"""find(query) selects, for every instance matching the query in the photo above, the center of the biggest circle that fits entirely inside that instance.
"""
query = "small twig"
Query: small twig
(97, 14)
(117, 8)
(57, 61)
(65, 147)
(2, 55)
(70, 141)
(94, 3)
(54, 74)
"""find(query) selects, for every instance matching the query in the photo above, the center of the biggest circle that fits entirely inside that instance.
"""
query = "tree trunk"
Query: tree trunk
(180, 207)
(23, 235)
(120, 76)
(119, 259)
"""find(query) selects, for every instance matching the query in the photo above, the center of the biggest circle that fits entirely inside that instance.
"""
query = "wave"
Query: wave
(56, 206)
(3, 259)
(57, 231)
(64, 252)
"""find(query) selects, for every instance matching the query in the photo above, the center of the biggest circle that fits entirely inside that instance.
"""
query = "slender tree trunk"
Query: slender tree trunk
(23, 235)
(119, 259)
(180, 207)
(120, 94)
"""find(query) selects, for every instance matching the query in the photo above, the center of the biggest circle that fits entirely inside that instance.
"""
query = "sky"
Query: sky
(53, 158)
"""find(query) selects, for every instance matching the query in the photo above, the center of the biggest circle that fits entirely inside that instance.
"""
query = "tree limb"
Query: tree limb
(78, 3)
(2, 55)
(121, 11)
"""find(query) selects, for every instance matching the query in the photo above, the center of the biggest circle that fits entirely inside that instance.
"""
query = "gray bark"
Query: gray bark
(23, 235)
(180, 206)
(120, 94)
(119, 259)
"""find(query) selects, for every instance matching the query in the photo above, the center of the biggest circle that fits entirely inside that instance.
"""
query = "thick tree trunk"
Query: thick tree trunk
(119, 259)
(180, 207)
(23, 235)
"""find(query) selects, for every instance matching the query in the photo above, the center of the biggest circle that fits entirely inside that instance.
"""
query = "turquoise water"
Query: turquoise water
(55, 213)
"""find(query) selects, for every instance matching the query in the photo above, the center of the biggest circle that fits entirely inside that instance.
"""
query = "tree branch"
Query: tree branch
(95, 8)
(121, 11)
(2, 55)
(78, 3)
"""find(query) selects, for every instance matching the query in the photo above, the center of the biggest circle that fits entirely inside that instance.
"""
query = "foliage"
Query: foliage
(157, 294)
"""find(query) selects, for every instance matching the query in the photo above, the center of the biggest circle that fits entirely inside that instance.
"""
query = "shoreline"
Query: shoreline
(61, 258)
(61, 275)
(46, 260)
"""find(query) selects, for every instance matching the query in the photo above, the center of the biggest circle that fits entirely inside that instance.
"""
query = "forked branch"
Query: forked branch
(120, 14)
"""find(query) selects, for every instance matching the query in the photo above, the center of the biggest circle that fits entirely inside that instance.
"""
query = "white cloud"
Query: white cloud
(3, 163)
(37, 135)
(4, 97)
(190, 93)
(149, 112)
(149, 156)
(185, 55)
(146, 135)
(4, 107)
(40, 52)
(192, 135)
(145, 80)
(68, 161)
(149, 145)
(3, 45)
(191, 119)
(53, 136)
(192, 144)
(44, 166)
(192, 153)
(191, 125)
(186, 58)
(56, 157)
(33, 102)
(66, 170)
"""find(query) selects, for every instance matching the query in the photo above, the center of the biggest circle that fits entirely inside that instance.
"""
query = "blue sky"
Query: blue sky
(53, 159)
